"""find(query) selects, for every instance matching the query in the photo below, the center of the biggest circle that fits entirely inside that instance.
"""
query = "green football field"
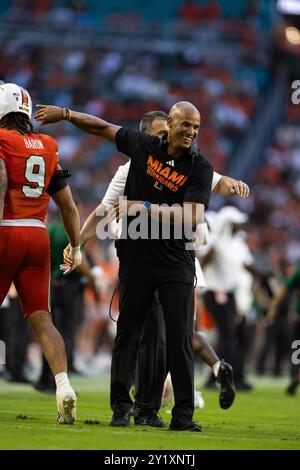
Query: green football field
(265, 418)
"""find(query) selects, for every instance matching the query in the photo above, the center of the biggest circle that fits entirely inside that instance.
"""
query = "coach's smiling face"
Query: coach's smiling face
(184, 124)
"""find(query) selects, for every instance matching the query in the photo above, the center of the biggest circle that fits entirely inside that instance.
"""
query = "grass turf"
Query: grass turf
(265, 418)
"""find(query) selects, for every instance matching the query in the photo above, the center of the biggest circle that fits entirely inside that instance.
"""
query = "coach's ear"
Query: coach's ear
(170, 121)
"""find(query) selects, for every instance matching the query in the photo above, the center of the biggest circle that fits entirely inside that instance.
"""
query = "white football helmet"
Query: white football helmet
(14, 99)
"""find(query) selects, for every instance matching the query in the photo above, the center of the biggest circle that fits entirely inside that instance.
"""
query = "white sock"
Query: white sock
(215, 368)
(62, 380)
(64, 389)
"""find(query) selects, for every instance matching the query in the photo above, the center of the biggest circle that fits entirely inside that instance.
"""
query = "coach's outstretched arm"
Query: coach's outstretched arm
(3, 186)
(230, 187)
(70, 217)
(48, 114)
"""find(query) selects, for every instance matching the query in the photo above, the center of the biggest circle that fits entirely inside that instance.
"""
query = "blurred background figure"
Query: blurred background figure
(17, 335)
(275, 331)
(228, 295)
(278, 308)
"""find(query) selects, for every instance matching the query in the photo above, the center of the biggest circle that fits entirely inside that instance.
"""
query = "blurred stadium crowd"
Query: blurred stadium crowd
(123, 58)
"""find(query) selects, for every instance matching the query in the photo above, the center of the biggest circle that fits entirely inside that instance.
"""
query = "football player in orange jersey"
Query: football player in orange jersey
(29, 175)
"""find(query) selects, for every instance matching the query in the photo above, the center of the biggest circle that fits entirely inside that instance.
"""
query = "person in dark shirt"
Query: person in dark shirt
(168, 180)
(290, 285)
(151, 370)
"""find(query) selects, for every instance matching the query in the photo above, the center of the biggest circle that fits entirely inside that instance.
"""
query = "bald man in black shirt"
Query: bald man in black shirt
(169, 181)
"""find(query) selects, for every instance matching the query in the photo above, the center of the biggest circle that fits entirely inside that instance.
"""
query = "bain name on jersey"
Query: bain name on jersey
(165, 174)
(33, 144)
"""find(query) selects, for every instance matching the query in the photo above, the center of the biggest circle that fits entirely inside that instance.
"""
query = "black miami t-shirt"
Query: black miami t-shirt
(156, 177)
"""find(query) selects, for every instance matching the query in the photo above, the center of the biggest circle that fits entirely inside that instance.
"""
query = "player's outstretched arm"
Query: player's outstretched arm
(89, 227)
(88, 230)
(48, 114)
(3, 186)
(70, 217)
(230, 187)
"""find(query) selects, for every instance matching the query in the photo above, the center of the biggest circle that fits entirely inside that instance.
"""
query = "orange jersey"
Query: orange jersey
(31, 161)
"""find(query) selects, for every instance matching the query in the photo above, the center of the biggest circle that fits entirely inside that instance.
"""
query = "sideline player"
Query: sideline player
(28, 177)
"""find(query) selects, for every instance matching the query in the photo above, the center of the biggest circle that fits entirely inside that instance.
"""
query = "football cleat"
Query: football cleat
(226, 385)
(292, 388)
(67, 410)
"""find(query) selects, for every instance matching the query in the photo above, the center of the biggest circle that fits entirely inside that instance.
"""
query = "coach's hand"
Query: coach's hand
(74, 258)
(48, 114)
(240, 188)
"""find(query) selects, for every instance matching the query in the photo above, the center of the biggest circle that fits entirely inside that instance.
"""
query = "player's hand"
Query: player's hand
(48, 114)
(68, 254)
(240, 188)
(75, 258)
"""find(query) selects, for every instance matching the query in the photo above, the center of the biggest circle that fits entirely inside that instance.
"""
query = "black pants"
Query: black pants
(137, 284)
(223, 316)
(66, 308)
(17, 337)
(275, 338)
(66, 304)
(295, 368)
(2, 326)
(152, 366)
(242, 345)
